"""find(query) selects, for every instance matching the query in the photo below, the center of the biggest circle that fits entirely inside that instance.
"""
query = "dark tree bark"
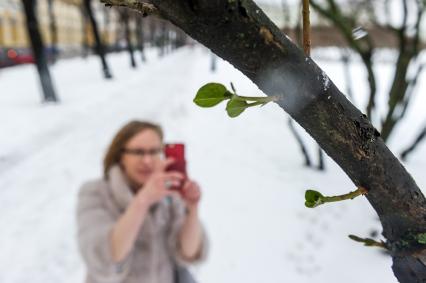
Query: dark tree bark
(240, 32)
(53, 32)
(99, 47)
(39, 54)
(125, 18)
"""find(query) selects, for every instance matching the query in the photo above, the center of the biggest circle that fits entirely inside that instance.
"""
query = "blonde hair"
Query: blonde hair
(128, 131)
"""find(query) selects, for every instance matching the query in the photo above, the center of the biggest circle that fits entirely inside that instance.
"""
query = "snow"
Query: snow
(325, 80)
(249, 168)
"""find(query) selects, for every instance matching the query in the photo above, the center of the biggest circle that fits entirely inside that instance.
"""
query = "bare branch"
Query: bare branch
(306, 28)
(416, 142)
(142, 7)
(421, 7)
(404, 16)
(410, 89)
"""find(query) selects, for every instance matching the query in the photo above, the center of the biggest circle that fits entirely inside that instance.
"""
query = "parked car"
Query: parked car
(15, 56)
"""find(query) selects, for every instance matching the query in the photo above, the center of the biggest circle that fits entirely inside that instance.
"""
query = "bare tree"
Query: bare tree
(125, 19)
(299, 140)
(346, 59)
(53, 32)
(99, 46)
(281, 69)
(85, 37)
(140, 36)
(349, 21)
(49, 94)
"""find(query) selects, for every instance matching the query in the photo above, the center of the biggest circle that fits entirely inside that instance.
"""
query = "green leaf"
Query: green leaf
(235, 107)
(421, 238)
(211, 94)
(313, 198)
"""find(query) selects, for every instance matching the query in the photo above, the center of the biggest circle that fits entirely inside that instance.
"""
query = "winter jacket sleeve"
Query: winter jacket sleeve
(94, 228)
(178, 212)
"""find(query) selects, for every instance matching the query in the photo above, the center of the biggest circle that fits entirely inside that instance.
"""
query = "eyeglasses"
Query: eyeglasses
(143, 152)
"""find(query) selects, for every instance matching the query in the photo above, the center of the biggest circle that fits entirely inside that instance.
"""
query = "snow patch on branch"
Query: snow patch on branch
(326, 81)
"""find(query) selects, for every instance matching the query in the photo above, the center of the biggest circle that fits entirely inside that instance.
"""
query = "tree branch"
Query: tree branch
(240, 33)
(416, 142)
(404, 16)
(142, 7)
(299, 140)
(306, 28)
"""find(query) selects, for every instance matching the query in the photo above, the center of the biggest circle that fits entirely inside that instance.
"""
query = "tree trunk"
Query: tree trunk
(397, 92)
(38, 51)
(107, 27)
(299, 140)
(127, 34)
(347, 73)
(213, 61)
(53, 32)
(85, 38)
(240, 32)
(99, 47)
(321, 165)
(152, 32)
(140, 37)
(162, 39)
(180, 38)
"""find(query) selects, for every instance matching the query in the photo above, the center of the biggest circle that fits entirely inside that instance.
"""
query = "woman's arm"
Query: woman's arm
(126, 229)
(191, 234)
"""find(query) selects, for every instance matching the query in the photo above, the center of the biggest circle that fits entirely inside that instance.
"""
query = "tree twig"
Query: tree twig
(142, 7)
(299, 140)
(306, 28)
(417, 141)
(368, 242)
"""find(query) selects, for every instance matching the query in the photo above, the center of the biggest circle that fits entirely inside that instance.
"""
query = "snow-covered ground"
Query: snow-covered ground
(249, 168)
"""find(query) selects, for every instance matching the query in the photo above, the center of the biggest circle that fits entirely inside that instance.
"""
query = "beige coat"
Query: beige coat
(100, 204)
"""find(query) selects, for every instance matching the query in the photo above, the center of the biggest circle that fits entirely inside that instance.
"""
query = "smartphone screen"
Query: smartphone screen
(177, 152)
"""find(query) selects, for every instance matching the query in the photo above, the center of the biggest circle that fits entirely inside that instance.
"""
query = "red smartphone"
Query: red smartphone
(177, 152)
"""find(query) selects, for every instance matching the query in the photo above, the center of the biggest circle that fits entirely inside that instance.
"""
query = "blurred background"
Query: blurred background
(72, 72)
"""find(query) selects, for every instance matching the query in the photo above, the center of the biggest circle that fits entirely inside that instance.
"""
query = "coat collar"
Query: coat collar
(121, 191)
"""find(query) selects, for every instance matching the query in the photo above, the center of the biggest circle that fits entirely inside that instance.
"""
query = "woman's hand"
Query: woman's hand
(157, 186)
(191, 194)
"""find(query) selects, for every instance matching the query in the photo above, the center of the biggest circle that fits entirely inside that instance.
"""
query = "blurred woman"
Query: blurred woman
(131, 226)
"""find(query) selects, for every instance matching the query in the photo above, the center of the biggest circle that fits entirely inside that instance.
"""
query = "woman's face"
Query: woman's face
(140, 156)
